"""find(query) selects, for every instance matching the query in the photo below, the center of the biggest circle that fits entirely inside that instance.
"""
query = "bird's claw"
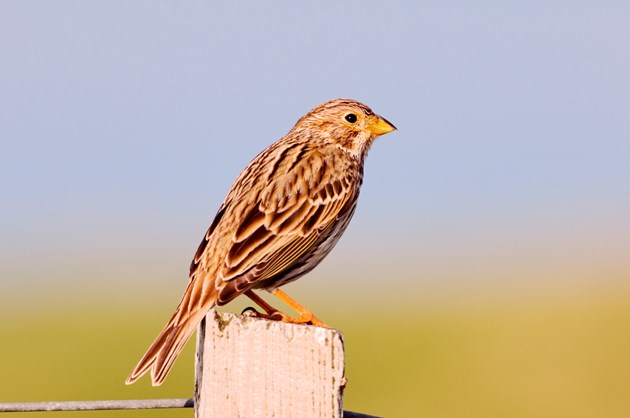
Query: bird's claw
(252, 312)
(272, 316)
(303, 319)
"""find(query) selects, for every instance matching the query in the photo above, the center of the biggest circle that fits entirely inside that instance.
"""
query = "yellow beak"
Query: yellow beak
(380, 126)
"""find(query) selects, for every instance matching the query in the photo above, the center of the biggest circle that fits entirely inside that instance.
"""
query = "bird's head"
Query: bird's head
(346, 123)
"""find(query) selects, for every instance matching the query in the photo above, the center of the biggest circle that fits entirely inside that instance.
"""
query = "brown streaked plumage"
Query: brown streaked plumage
(282, 216)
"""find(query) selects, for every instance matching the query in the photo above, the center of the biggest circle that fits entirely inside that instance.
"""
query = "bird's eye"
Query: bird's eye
(351, 117)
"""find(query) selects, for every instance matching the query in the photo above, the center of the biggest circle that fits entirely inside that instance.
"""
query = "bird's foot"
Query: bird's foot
(251, 312)
(306, 318)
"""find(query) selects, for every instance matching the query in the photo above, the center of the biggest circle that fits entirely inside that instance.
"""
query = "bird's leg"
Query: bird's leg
(306, 316)
(260, 302)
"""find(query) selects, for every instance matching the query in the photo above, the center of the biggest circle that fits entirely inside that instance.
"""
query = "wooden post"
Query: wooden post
(250, 367)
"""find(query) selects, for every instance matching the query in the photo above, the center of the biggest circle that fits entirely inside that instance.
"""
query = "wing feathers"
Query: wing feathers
(204, 243)
(248, 248)
(286, 256)
(290, 216)
(254, 220)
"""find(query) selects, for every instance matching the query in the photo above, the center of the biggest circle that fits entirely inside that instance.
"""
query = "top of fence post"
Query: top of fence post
(252, 367)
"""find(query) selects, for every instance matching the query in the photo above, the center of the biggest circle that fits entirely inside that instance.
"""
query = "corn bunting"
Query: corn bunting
(282, 216)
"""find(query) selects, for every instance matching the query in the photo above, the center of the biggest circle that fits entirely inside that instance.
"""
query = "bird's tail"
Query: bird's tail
(171, 341)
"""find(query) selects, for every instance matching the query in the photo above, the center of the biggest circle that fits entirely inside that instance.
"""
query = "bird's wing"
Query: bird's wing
(290, 215)
(194, 265)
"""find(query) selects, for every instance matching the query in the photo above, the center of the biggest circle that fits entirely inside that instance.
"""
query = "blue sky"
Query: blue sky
(123, 124)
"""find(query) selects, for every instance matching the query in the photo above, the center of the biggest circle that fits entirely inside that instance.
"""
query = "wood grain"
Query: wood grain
(257, 368)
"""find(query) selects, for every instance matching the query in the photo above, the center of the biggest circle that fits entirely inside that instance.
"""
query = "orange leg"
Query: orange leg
(306, 316)
(260, 302)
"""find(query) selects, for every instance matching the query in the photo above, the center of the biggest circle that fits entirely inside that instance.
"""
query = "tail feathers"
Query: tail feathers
(198, 298)
(165, 349)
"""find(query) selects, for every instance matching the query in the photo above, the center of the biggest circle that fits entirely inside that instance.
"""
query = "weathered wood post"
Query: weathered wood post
(250, 367)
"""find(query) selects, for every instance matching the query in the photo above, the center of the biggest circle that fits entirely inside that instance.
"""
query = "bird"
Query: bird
(282, 216)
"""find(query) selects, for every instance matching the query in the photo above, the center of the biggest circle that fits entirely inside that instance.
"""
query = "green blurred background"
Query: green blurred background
(486, 272)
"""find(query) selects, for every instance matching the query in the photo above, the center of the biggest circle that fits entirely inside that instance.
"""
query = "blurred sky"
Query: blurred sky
(123, 124)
